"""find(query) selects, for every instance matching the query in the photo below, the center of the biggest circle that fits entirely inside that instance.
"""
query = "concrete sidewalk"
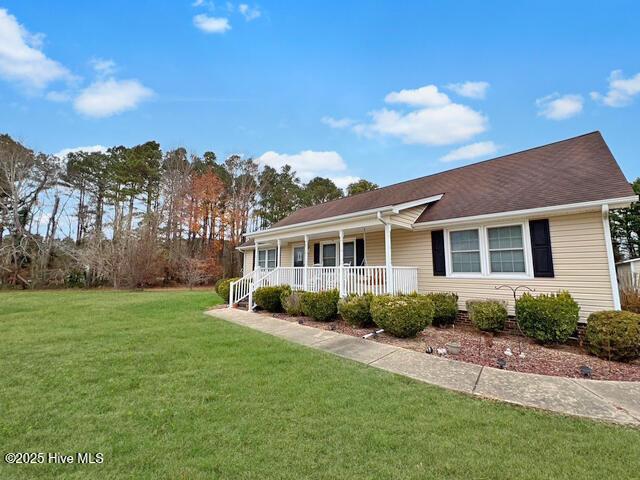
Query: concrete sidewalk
(617, 402)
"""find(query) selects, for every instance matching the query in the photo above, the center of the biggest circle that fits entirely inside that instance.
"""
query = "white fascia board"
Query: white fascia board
(389, 209)
(416, 203)
(568, 208)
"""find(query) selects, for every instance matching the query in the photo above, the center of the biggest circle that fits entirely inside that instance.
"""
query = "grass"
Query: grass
(164, 391)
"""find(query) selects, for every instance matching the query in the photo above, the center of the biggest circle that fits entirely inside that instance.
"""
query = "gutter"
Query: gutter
(621, 202)
(362, 213)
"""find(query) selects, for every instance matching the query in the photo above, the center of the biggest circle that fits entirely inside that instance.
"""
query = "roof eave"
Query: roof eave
(389, 209)
(621, 202)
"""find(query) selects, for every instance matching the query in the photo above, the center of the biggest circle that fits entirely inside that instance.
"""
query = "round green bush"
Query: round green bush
(548, 318)
(268, 298)
(402, 316)
(223, 287)
(355, 309)
(614, 335)
(291, 302)
(321, 306)
(446, 307)
(487, 315)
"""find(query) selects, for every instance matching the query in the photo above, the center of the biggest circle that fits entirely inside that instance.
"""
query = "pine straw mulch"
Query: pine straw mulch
(484, 349)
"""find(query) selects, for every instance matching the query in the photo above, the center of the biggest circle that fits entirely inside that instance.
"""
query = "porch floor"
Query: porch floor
(609, 401)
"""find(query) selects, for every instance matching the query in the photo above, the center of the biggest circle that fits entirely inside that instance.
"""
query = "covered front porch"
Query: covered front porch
(352, 260)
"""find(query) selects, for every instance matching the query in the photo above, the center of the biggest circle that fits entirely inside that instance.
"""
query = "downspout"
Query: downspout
(615, 290)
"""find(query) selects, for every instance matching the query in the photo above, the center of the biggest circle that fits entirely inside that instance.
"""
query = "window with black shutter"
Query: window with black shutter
(437, 252)
(541, 248)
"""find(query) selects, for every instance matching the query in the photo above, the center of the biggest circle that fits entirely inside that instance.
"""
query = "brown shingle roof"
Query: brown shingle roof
(579, 169)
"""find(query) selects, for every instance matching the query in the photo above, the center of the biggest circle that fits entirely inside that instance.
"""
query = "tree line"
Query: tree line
(131, 217)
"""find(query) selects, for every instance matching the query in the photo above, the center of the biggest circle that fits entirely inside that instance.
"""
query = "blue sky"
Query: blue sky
(382, 90)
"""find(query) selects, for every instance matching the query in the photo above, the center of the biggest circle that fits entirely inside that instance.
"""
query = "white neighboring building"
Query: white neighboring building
(629, 273)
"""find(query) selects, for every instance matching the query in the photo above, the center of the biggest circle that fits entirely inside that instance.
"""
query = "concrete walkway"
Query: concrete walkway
(617, 402)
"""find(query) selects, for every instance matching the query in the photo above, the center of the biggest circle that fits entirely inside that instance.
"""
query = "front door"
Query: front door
(298, 257)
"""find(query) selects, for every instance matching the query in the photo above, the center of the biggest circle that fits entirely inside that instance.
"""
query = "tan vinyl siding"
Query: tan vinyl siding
(286, 256)
(374, 248)
(579, 258)
(406, 218)
(248, 262)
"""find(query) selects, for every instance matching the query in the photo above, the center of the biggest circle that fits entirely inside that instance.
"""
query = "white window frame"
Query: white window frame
(449, 257)
(329, 242)
(354, 251)
(525, 233)
(266, 257)
(485, 263)
(337, 244)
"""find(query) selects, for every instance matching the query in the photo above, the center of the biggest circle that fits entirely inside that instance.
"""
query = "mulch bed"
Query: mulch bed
(484, 349)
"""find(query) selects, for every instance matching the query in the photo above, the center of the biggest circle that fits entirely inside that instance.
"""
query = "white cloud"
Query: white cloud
(249, 13)
(559, 107)
(104, 98)
(307, 164)
(476, 90)
(89, 149)
(428, 126)
(470, 152)
(427, 96)
(103, 66)
(21, 57)
(435, 121)
(345, 181)
(197, 3)
(621, 90)
(211, 24)
(337, 122)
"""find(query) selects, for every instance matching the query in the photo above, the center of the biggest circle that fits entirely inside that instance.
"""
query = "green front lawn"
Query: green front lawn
(167, 392)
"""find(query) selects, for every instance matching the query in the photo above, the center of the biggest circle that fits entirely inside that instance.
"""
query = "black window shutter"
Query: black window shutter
(359, 252)
(541, 248)
(253, 254)
(316, 253)
(437, 252)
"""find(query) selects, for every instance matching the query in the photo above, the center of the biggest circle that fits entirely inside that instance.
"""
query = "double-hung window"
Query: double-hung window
(465, 251)
(267, 258)
(329, 255)
(506, 249)
(349, 254)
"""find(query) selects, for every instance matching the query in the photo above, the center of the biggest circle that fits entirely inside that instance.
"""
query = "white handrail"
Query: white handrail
(355, 280)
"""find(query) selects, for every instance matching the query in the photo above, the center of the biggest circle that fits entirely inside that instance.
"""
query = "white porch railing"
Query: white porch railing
(244, 287)
(347, 280)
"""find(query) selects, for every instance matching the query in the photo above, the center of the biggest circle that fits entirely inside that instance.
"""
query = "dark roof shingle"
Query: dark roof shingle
(576, 170)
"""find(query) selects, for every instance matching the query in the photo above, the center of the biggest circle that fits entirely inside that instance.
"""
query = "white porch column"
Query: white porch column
(341, 259)
(255, 259)
(306, 256)
(278, 262)
(387, 257)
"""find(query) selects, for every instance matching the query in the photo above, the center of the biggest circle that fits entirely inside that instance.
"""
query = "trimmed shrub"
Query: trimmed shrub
(614, 335)
(487, 315)
(268, 298)
(548, 318)
(402, 316)
(223, 287)
(321, 306)
(291, 302)
(446, 307)
(355, 309)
